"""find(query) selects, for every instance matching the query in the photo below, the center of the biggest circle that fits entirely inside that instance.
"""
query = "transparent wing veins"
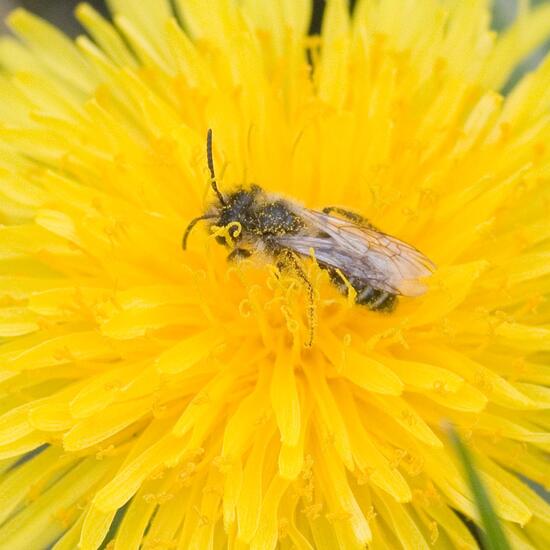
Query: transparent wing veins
(379, 260)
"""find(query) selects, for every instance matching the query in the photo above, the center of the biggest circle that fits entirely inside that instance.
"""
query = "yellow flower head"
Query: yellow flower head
(166, 399)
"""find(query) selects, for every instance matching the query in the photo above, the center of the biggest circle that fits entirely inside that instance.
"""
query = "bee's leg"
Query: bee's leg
(287, 258)
(349, 215)
(238, 254)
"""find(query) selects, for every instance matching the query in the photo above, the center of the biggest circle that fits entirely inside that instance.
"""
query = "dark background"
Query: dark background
(60, 12)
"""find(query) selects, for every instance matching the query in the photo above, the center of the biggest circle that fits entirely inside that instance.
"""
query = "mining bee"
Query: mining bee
(355, 254)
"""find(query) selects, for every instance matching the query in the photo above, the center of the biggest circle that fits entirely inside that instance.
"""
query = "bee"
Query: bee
(376, 265)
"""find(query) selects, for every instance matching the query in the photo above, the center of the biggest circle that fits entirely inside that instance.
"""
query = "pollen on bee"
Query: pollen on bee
(228, 232)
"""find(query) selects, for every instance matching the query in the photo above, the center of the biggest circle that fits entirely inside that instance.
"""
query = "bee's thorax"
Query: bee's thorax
(259, 215)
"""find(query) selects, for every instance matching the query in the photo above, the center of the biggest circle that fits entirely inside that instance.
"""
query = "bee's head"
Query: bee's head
(234, 211)
(238, 215)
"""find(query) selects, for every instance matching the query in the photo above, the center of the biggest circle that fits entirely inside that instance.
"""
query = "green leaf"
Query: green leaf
(492, 535)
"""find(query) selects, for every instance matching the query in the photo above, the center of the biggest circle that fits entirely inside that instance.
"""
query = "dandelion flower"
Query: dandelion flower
(160, 399)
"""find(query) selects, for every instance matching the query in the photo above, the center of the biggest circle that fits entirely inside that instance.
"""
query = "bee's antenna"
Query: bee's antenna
(192, 224)
(210, 158)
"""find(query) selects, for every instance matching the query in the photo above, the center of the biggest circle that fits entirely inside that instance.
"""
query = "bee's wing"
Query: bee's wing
(360, 252)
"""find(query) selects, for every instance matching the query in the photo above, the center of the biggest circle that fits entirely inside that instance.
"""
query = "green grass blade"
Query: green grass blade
(492, 535)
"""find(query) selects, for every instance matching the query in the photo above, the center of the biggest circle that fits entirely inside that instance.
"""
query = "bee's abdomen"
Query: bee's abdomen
(376, 300)
(366, 295)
